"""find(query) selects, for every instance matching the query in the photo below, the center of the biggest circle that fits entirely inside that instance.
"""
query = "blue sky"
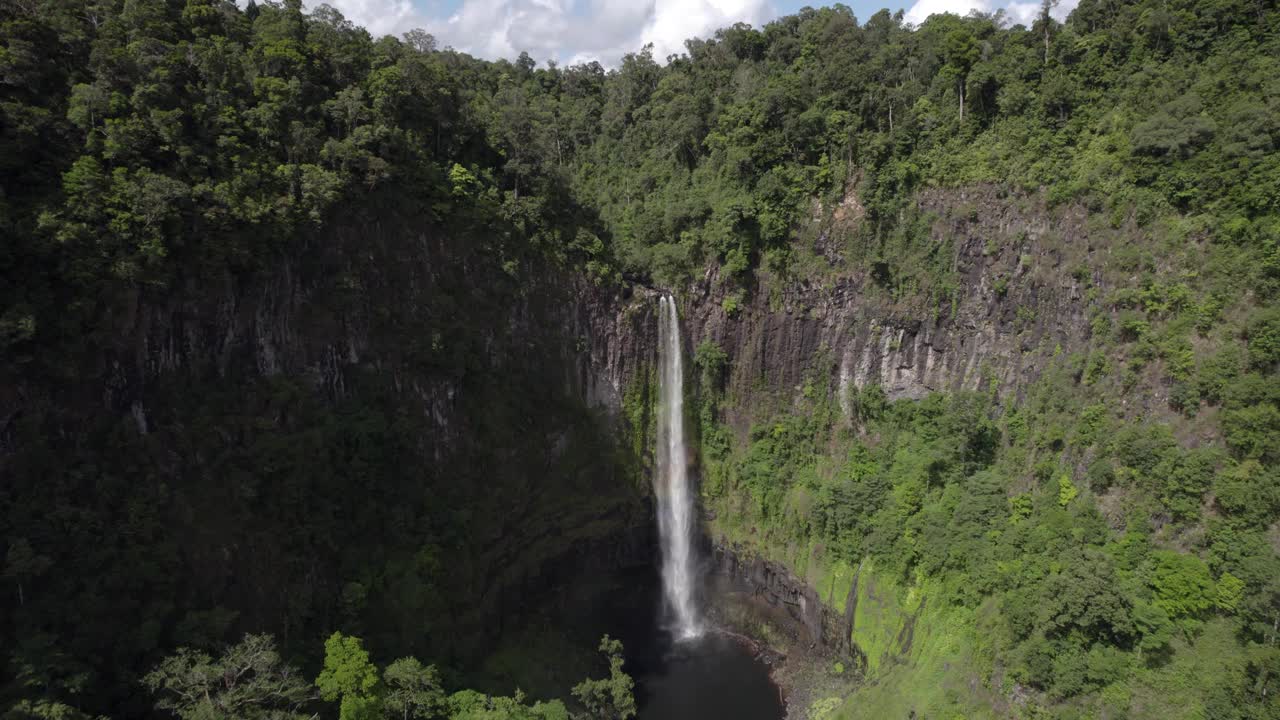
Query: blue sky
(571, 31)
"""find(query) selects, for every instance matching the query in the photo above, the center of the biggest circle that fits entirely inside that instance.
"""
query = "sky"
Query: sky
(571, 31)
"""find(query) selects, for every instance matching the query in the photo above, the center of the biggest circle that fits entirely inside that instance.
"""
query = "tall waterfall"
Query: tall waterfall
(675, 496)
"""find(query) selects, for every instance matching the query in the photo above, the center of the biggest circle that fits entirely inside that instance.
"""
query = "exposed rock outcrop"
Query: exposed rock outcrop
(789, 601)
(439, 332)
(1019, 301)
(498, 396)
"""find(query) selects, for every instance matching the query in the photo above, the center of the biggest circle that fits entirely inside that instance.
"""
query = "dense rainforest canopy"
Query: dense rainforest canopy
(147, 147)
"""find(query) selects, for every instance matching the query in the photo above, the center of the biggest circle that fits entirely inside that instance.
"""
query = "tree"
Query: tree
(412, 691)
(45, 710)
(22, 564)
(1175, 131)
(420, 40)
(472, 705)
(611, 698)
(1066, 490)
(1229, 592)
(961, 51)
(1086, 598)
(1263, 334)
(1248, 491)
(249, 682)
(1182, 583)
(349, 676)
(1155, 630)
(1045, 21)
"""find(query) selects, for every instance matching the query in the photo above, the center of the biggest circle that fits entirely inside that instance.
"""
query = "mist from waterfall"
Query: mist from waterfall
(671, 486)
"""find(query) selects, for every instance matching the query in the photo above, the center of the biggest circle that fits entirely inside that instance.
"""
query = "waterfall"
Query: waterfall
(675, 496)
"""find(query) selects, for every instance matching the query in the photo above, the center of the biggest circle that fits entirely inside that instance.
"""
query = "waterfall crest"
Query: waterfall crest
(671, 485)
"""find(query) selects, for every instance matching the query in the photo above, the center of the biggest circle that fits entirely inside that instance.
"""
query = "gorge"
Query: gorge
(353, 377)
(705, 673)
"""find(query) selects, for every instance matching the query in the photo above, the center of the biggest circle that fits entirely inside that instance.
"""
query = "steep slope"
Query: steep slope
(1004, 500)
(383, 432)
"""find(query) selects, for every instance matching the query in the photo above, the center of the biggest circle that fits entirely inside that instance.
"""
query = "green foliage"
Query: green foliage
(1066, 490)
(248, 681)
(611, 698)
(472, 705)
(1182, 583)
(823, 708)
(1229, 592)
(1175, 131)
(1264, 339)
(710, 359)
(639, 403)
(932, 492)
(1154, 627)
(412, 690)
(350, 677)
(1250, 430)
(1249, 493)
(154, 150)
(732, 303)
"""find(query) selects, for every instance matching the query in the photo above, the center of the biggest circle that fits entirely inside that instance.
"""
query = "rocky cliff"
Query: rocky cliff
(788, 601)
(445, 428)
(1025, 275)
(1023, 272)
(1018, 300)
(392, 431)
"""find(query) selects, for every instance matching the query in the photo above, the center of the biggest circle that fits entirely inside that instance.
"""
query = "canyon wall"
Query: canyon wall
(1019, 301)
(457, 440)
(1024, 275)
(387, 432)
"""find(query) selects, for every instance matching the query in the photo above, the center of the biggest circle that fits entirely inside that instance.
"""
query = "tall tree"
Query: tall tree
(248, 681)
(349, 677)
(610, 698)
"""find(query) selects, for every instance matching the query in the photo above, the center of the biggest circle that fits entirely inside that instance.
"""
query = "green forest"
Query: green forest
(1108, 554)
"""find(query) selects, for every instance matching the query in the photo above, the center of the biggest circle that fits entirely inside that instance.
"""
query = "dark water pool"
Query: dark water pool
(714, 676)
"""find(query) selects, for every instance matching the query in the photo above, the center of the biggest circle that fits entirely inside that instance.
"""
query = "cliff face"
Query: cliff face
(793, 605)
(1018, 301)
(387, 432)
(394, 432)
(1023, 274)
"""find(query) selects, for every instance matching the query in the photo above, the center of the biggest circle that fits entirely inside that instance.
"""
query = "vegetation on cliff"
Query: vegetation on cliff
(251, 681)
(193, 445)
(1094, 551)
(1062, 544)
(150, 151)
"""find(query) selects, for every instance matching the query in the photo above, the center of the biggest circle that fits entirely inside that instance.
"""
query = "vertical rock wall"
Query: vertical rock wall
(1018, 303)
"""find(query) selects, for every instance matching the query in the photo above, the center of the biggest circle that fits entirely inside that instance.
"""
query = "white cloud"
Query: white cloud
(379, 17)
(571, 31)
(581, 30)
(1022, 12)
(674, 21)
(562, 30)
(921, 11)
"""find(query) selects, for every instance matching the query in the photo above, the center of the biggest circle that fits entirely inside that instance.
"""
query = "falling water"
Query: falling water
(675, 497)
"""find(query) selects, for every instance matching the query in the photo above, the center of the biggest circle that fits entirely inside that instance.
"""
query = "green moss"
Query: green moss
(834, 583)
(920, 654)
(639, 402)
